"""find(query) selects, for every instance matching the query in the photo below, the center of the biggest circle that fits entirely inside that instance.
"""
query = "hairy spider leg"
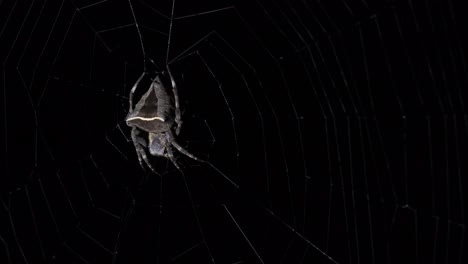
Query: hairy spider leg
(140, 151)
(174, 143)
(178, 119)
(133, 91)
(170, 155)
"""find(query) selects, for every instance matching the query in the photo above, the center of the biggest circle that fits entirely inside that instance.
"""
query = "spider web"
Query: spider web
(333, 131)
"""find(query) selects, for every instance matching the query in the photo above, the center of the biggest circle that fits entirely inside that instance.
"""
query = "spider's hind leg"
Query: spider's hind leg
(175, 91)
(130, 100)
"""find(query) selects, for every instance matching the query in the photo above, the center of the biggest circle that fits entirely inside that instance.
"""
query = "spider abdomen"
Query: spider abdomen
(153, 126)
(154, 112)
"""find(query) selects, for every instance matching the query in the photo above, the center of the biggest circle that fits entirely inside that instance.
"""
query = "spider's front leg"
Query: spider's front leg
(140, 145)
(181, 149)
(171, 157)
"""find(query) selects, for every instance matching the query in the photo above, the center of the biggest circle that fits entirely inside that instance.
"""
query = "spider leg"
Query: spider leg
(178, 119)
(141, 154)
(174, 143)
(170, 155)
(137, 145)
(133, 91)
(145, 158)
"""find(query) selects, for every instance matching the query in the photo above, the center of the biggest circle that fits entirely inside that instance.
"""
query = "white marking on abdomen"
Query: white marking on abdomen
(146, 118)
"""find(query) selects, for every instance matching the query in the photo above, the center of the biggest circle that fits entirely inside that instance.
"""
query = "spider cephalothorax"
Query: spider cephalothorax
(156, 115)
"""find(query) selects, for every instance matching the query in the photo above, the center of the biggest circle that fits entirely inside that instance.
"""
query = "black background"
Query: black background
(335, 132)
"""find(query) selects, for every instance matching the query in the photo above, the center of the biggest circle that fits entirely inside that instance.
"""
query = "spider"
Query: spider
(157, 115)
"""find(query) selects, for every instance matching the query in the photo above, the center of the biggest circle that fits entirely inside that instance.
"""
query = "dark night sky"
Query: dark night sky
(333, 132)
